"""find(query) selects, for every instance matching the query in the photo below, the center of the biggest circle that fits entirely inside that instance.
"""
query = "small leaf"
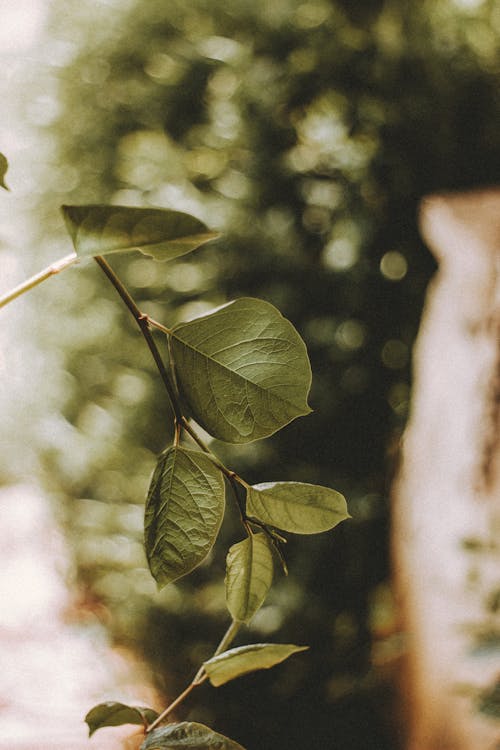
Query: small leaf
(184, 511)
(188, 734)
(239, 661)
(161, 234)
(249, 576)
(296, 507)
(4, 165)
(113, 714)
(243, 369)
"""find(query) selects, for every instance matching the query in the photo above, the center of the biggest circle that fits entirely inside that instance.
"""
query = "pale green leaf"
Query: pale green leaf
(249, 575)
(184, 511)
(188, 734)
(239, 661)
(243, 370)
(159, 233)
(296, 507)
(4, 165)
(114, 714)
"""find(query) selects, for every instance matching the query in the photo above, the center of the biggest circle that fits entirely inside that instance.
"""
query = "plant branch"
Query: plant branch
(142, 321)
(229, 473)
(176, 702)
(30, 283)
(200, 677)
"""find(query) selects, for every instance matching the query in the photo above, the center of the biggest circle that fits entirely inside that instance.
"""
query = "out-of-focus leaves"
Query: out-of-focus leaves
(249, 575)
(239, 661)
(161, 234)
(188, 734)
(489, 701)
(243, 369)
(296, 506)
(184, 511)
(4, 165)
(112, 714)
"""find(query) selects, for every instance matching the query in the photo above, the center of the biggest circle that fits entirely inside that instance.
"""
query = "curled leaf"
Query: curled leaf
(296, 506)
(160, 233)
(184, 511)
(249, 575)
(112, 714)
(239, 661)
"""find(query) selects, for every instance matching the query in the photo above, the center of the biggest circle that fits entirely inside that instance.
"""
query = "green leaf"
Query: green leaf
(243, 369)
(296, 507)
(184, 511)
(249, 575)
(113, 714)
(239, 661)
(4, 165)
(188, 734)
(161, 234)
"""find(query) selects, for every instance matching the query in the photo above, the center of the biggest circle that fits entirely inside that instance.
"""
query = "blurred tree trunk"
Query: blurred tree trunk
(447, 494)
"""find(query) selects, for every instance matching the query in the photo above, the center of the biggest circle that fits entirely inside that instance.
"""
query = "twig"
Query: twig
(30, 283)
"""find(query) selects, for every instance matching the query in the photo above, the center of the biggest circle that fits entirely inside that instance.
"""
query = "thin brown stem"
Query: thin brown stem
(192, 685)
(229, 473)
(200, 677)
(142, 321)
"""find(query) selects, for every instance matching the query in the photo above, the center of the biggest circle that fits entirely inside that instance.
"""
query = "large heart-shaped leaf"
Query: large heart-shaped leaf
(112, 714)
(243, 369)
(239, 661)
(184, 511)
(162, 234)
(4, 165)
(296, 507)
(188, 734)
(249, 575)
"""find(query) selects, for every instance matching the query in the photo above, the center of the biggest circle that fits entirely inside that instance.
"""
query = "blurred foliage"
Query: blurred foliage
(307, 132)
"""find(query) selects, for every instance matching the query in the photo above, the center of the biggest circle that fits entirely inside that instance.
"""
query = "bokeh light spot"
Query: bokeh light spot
(393, 266)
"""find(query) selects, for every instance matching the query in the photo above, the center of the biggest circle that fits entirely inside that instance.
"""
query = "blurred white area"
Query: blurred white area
(52, 671)
(22, 21)
(24, 368)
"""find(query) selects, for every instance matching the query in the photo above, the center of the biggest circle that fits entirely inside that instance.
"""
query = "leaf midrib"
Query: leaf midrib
(225, 368)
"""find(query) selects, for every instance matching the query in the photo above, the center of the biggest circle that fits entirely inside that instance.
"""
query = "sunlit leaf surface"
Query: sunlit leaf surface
(249, 576)
(162, 234)
(243, 369)
(296, 507)
(239, 661)
(188, 734)
(184, 511)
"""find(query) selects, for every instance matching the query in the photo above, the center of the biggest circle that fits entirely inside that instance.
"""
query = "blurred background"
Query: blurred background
(306, 132)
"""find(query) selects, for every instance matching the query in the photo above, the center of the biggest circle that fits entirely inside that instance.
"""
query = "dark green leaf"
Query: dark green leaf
(239, 661)
(249, 575)
(4, 165)
(188, 734)
(296, 507)
(184, 511)
(162, 234)
(243, 369)
(113, 714)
